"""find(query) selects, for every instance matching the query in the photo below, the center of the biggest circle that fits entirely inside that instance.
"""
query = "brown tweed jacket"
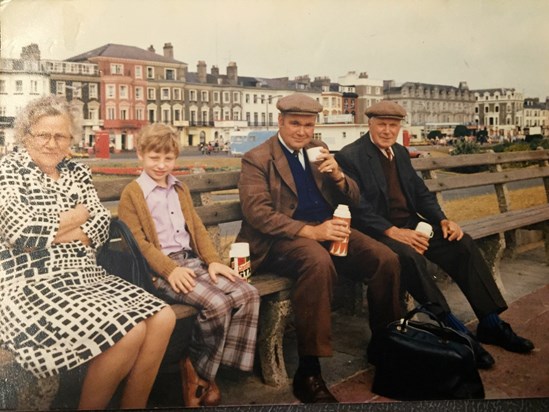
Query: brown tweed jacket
(133, 211)
(268, 197)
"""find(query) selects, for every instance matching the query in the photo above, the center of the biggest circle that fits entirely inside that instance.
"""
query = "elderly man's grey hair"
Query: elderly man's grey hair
(47, 106)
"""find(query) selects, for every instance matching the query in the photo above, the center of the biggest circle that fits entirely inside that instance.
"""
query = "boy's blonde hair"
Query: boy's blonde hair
(158, 137)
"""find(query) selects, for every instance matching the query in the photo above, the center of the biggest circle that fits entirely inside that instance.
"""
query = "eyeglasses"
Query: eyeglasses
(44, 138)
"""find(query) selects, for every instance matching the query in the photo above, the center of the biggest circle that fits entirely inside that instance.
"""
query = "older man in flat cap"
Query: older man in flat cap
(288, 202)
(394, 199)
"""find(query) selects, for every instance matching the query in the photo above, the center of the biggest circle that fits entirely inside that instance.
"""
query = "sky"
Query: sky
(487, 43)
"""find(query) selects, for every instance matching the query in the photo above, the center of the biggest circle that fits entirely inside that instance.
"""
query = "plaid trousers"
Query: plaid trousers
(225, 330)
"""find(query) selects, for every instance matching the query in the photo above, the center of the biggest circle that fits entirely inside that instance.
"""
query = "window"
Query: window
(236, 115)
(138, 93)
(204, 116)
(94, 114)
(76, 89)
(2, 86)
(123, 91)
(150, 72)
(117, 68)
(192, 95)
(176, 115)
(139, 114)
(123, 114)
(110, 91)
(170, 74)
(152, 116)
(165, 93)
(177, 94)
(226, 97)
(110, 113)
(60, 88)
(2, 111)
(205, 96)
(216, 97)
(151, 93)
(138, 72)
(34, 87)
(247, 98)
(166, 115)
(92, 89)
(255, 98)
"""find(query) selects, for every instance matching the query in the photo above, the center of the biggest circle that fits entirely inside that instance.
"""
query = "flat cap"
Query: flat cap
(386, 109)
(299, 103)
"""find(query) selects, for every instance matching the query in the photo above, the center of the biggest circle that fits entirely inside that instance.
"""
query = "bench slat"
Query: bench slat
(433, 163)
(514, 219)
(220, 213)
(211, 182)
(484, 179)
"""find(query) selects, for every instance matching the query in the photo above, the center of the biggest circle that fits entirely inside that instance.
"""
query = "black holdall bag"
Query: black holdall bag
(423, 360)
(124, 259)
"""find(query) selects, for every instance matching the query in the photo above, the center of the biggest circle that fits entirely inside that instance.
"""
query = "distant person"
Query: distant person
(394, 199)
(159, 211)
(288, 202)
(58, 308)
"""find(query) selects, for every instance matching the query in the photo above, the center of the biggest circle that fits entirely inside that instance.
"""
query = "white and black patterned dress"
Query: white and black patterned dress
(58, 308)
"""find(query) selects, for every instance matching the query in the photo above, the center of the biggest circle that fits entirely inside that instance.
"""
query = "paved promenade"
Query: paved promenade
(526, 283)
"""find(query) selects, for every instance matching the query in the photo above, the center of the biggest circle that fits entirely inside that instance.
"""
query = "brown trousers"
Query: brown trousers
(315, 271)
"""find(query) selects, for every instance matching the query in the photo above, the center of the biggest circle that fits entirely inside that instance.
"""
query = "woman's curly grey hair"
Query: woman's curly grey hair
(47, 106)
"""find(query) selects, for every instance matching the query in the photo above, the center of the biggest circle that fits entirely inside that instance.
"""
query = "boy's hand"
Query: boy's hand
(182, 280)
(216, 268)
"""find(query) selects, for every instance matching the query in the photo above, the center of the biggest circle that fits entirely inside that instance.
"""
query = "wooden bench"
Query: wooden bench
(216, 201)
(497, 232)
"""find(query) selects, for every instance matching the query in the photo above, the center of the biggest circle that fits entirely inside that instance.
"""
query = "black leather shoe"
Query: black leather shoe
(503, 336)
(482, 356)
(312, 389)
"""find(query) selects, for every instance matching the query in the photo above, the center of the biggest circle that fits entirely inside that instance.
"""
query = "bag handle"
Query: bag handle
(422, 309)
(142, 277)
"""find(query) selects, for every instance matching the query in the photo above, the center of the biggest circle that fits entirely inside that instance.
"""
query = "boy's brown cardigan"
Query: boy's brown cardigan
(133, 211)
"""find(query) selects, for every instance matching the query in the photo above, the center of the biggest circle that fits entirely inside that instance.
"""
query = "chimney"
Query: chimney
(201, 69)
(151, 49)
(232, 73)
(215, 71)
(168, 50)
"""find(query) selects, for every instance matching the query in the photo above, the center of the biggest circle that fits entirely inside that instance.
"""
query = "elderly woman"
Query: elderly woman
(58, 308)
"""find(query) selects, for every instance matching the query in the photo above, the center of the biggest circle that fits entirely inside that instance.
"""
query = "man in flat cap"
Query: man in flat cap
(394, 199)
(288, 202)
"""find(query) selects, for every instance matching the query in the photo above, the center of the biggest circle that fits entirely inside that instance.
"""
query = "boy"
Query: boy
(159, 211)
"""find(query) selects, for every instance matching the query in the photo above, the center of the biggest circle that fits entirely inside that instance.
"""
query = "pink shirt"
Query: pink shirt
(166, 212)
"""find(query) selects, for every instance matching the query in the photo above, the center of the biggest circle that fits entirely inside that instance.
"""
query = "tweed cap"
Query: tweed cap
(299, 103)
(386, 109)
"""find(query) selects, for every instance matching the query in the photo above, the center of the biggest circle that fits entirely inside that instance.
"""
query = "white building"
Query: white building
(21, 81)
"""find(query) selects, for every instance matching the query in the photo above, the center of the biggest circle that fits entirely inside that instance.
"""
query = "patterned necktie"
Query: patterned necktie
(389, 154)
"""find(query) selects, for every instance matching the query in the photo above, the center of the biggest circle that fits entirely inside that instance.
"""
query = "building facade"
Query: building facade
(499, 111)
(137, 87)
(433, 106)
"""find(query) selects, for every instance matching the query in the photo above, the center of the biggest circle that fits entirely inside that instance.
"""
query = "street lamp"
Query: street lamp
(267, 101)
